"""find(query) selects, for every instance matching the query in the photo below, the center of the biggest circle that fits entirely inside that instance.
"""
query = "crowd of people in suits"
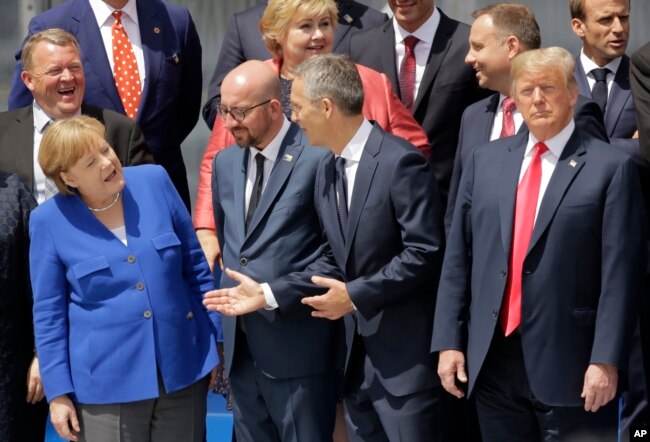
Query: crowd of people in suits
(406, 228)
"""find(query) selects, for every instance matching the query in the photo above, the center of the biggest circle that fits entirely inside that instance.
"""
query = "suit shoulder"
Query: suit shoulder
(251, 14)
(145, 173)
(369, 16)
(55, 15)
(15, 115)
(107, 117)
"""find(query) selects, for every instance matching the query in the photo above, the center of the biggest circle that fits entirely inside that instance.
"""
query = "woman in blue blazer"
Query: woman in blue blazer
(118, 277)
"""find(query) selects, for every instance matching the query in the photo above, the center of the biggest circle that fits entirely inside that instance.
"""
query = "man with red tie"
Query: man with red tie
(501, 31)
(544, 263)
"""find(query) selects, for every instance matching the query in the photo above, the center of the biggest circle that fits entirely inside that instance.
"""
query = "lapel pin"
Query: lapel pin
(288, 158)
(347, 18)
(175, 58)
(572, 163)
(156, 30)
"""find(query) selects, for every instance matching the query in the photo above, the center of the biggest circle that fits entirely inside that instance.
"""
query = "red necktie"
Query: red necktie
(508, 127)
(524, 220)
(127, 77)
(407, 72)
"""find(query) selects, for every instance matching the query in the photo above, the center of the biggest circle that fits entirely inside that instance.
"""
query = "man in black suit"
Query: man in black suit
(243, 41)
(544, 263)
(442, 87)
(55, 76)
(500, 32)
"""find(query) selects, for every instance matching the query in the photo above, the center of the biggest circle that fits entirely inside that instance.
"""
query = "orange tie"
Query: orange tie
(525, 209)
(127, 77)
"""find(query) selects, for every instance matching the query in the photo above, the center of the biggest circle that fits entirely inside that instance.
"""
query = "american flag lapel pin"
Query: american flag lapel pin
(347, 18)
(572, 163)
(288, 158)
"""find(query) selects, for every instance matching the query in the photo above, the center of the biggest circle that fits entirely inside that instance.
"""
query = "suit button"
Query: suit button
(503, 273)
(190, 316)
(130, 259)
(139, 286)
(243, 261)
(495, 313)
(147, 314)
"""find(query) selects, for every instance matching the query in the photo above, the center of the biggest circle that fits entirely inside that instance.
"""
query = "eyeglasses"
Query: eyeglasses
(237, 114)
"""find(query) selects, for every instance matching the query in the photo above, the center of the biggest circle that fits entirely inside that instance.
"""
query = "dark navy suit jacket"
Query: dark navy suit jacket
(476, 128)
(243, 41)
(390, 262)
(620, 113)
(448, 85)
(171, 97)
(284, 236)
(581, 276)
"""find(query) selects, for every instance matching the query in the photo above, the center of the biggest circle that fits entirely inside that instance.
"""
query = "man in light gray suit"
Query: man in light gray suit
(284, 366)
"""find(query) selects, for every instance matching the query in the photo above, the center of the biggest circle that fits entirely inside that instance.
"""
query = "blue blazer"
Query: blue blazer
(582, 273)
(476, 128)
(171, 98)
(243, 41)
(284, 236)
(620, 113)
(108, 317)
(391, 260)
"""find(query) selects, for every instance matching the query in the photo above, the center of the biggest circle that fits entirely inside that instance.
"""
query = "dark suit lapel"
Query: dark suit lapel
(362, 181)
(568, 166)
(581, 79)
(240, 164)
(152, 31)
(23, 153)
(484, 125)
(387, 57)
(96, 63)
(510, 170)
(439, 47)
(288, 155)
(618, 95)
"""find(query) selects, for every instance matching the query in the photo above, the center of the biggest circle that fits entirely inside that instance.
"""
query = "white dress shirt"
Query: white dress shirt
(425, 34)
(588, 65)
(497, 125)
(549, 158)
(103, 14)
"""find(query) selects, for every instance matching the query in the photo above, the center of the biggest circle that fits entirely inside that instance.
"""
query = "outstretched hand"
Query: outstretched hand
(247, 297)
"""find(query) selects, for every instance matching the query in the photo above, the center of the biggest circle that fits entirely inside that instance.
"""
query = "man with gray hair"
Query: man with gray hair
(375, 184)
(538, 288)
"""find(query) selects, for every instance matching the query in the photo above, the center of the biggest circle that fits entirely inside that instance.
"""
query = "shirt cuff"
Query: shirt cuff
(271, 303)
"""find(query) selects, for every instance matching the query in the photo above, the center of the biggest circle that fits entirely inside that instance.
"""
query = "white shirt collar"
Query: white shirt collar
(103, 11)
(270, 152)
(424, 33)
(555, 144)
(588, 65)
(354, 148)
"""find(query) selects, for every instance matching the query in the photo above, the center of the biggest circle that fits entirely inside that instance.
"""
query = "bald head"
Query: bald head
(250, 104)
(255, 77)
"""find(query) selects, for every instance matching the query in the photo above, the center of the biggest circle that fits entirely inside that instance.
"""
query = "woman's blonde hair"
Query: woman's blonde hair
(64, 142)
(279, 13)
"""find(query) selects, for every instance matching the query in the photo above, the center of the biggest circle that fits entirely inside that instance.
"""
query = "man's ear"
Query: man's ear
(328, 106)
(578, 27)
(28, 80)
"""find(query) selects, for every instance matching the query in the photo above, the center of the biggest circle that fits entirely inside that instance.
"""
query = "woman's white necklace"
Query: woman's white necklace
(102, 209)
